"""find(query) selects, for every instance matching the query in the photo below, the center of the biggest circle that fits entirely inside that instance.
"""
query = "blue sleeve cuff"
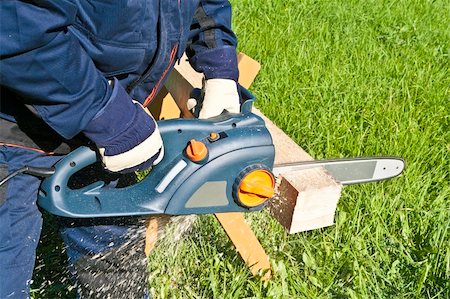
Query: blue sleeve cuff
(217, 63)
(121, 124)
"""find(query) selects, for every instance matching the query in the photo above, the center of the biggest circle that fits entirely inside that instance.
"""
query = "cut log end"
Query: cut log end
(305, 200)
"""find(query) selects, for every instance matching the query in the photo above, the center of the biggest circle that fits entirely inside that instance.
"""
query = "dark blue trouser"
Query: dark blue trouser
(100, 255)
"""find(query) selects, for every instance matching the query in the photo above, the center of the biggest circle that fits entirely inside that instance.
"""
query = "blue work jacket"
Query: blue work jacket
(58, 55)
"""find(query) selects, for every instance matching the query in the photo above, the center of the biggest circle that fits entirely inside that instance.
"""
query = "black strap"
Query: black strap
(3, 173)
(208, 25)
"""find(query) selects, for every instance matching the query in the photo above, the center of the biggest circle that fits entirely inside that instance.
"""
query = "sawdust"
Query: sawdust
(124, 270)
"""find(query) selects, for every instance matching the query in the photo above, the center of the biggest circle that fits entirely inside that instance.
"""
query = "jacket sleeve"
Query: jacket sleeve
(44, 62)
(212, 44)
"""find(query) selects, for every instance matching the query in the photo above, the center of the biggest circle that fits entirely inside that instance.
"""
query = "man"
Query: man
(81, 71)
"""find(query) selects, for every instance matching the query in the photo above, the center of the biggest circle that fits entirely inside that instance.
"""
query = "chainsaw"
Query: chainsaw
(222, 164)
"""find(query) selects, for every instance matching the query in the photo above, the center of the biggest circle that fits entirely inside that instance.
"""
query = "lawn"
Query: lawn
(342, 78)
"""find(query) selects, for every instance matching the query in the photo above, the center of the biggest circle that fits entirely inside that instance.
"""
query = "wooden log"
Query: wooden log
(306, 199)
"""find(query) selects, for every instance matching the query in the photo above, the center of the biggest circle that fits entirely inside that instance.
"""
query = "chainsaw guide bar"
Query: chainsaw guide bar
(223, 164)
(350, 171)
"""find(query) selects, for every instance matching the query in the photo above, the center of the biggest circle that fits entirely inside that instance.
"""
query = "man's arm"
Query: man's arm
(44, 62)
(212, 51)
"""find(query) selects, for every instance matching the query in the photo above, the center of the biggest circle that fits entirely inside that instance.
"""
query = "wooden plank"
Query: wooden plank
(151, 234)
(179, 84)
(182, 79)
(248, 69)
(163, 106)
(234, 224)
(244, 241)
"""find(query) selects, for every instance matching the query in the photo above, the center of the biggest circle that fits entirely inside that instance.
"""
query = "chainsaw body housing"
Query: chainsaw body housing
(177, 185)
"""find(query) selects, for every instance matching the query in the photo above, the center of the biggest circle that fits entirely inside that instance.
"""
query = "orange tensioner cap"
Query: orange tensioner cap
(256, 187)
(196, 150)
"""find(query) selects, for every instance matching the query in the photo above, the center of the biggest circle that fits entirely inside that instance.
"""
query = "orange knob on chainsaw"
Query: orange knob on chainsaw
(254, 187)
(196, 150)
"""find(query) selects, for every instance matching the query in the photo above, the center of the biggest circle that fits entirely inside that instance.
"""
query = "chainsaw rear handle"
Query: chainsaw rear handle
(172, 187)
(72, 163)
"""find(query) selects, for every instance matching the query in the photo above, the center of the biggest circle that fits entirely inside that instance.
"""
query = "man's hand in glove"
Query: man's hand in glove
(126, 135)
(218, 95)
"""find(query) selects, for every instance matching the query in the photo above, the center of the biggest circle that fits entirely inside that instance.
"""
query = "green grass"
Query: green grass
(342, 78)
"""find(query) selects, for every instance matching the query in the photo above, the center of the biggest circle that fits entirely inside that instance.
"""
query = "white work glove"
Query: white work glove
(149, 151)
(218, 95)
(126, 135)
